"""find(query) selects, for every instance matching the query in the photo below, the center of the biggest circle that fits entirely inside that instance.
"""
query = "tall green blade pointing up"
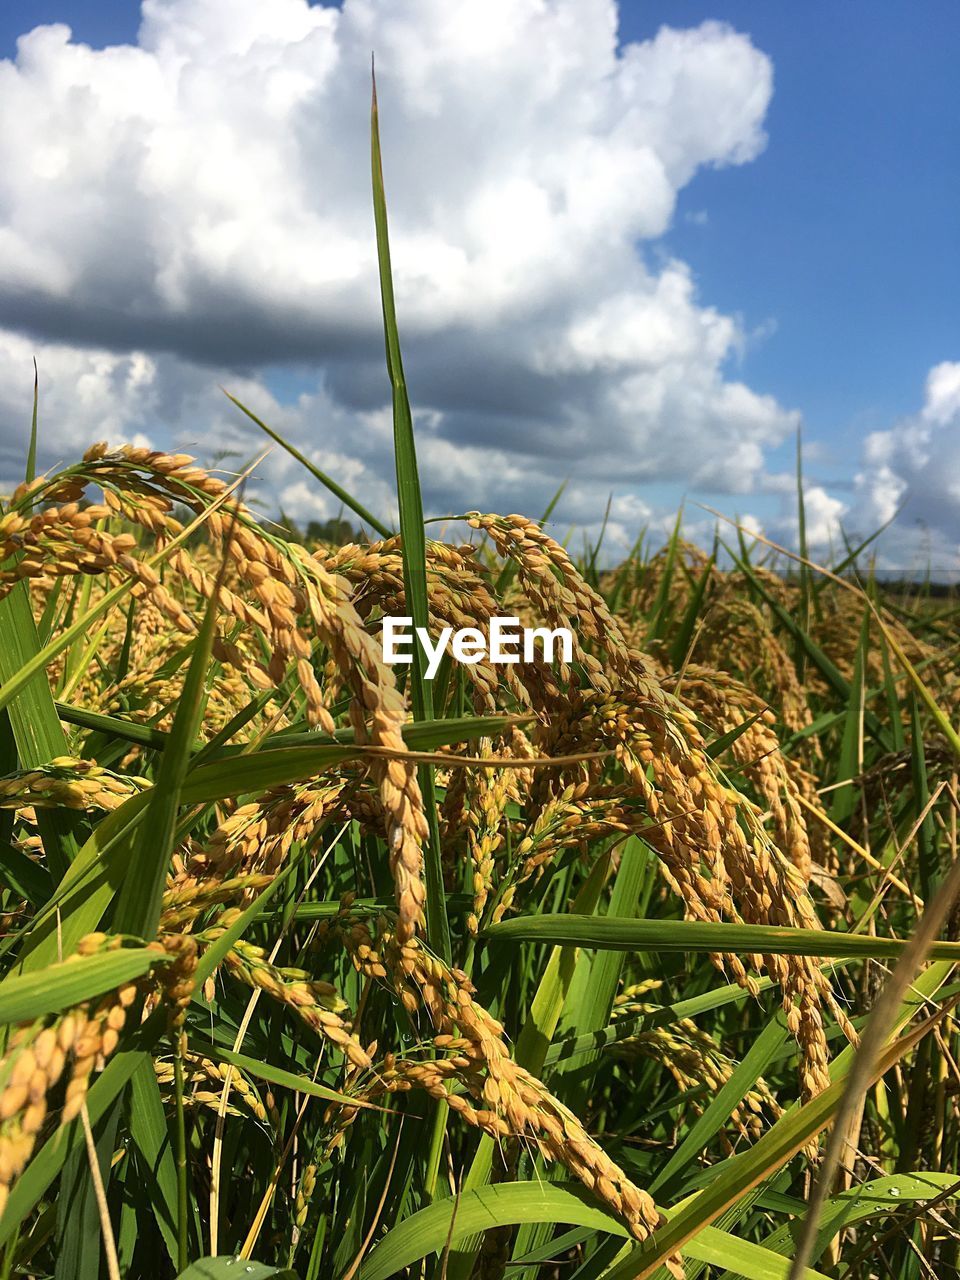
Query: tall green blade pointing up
(413, 538)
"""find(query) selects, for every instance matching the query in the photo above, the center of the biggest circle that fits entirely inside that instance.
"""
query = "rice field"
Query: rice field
(636, 965)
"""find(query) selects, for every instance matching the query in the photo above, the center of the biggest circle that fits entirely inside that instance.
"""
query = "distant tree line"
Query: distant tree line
(335, 532)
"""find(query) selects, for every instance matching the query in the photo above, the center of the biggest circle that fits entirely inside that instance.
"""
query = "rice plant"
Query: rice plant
(316, 968)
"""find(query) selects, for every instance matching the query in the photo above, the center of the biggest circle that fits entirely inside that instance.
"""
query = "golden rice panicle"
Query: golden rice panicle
(403, 806)
(44, 1053)
(95, 1030)
(142, 484)
(286, 585)
(34, 1063)
(457, 596)
(257, 837)
(693, 1058)
(68, 783)
(177, 978)
(577, 814)
(488, 792)
(714, 851)
(507, 1101)
(724, 704)
(558, 592)
(317, 1004)
(65, 542)
(188, 898)
(736, 636)
(205, 1078)
(378, 714)
(308, 1183)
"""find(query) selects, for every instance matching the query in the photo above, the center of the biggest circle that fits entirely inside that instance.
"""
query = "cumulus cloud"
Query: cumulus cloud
(196, 208)
(914, 469)
(908, 480)
(87, 395)
(823, 518)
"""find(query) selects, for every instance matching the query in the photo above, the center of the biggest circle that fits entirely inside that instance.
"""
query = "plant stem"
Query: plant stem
(182, 1252)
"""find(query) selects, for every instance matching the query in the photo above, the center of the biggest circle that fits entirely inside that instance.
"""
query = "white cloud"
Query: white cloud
(914, 468)
(909, 471)
(196, 209)
(85, 395)
(823, 515)
(942, 403)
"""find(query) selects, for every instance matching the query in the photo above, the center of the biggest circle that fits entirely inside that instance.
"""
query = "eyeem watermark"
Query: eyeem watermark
(508, 641)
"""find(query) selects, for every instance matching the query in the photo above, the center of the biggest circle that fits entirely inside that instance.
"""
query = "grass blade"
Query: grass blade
(24, 996)
(138, 909)
(412, 536)
(448, 1221)
(328, 482)
(690, 936)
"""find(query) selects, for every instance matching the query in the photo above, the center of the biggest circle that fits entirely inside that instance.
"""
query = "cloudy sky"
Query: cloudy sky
(630, 255)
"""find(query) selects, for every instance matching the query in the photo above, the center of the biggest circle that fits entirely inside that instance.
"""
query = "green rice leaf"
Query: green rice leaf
(413, 540)
(25, 996)
(328, 482)
(448, 1221)
(678, 936)
(138, 909)
(230, 1267)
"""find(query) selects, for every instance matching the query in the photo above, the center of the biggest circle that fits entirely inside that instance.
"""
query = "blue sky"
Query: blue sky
(96, 22)
(834, 248)
(846, 229)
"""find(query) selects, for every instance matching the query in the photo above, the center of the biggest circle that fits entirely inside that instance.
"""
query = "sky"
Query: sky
(637, 247)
